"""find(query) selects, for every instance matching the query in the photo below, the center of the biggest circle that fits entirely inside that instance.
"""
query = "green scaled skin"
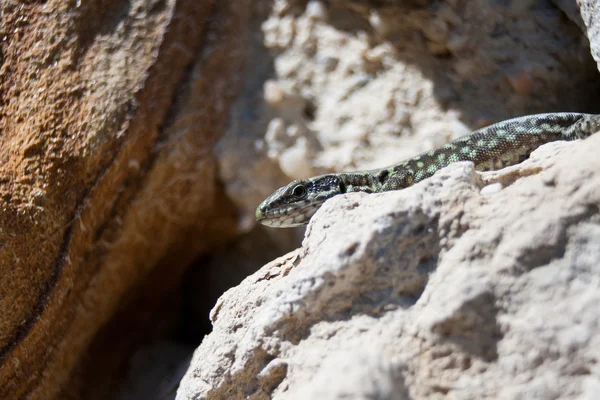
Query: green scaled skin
(491, 148)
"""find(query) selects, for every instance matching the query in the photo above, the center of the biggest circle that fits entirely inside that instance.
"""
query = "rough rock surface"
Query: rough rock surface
(464, 286)
(590, 14)
(108, 114)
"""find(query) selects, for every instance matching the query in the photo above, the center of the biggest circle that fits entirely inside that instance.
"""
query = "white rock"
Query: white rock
(430, 292)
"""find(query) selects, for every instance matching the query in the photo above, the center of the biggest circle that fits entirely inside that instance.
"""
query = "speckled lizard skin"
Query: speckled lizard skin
(493, 147)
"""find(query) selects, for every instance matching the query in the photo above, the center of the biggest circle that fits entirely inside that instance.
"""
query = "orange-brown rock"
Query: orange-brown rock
(108, 113)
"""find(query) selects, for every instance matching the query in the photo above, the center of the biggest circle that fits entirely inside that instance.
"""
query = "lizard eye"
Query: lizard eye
(299, 191)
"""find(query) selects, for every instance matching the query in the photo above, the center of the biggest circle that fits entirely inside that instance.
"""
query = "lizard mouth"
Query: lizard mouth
(287, 217)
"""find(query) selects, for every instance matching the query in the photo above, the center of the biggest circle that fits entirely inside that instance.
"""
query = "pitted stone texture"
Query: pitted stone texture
(435, 291)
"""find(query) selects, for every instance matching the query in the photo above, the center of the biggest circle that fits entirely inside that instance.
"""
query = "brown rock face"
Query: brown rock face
(108, 112)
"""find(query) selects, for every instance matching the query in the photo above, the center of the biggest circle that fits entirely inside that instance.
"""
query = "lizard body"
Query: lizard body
(493, 147)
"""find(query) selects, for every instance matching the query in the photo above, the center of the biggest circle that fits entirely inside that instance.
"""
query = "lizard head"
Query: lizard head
(295, 203)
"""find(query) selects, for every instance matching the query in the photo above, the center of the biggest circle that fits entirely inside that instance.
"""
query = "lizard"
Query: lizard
(490, 148)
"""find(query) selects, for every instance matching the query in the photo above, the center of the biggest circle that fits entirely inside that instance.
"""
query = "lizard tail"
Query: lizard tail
(585, 127)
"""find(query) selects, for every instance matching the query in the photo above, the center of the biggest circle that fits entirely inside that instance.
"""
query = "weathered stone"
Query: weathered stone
(108, 114)
(439, 290)
(590, 14)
